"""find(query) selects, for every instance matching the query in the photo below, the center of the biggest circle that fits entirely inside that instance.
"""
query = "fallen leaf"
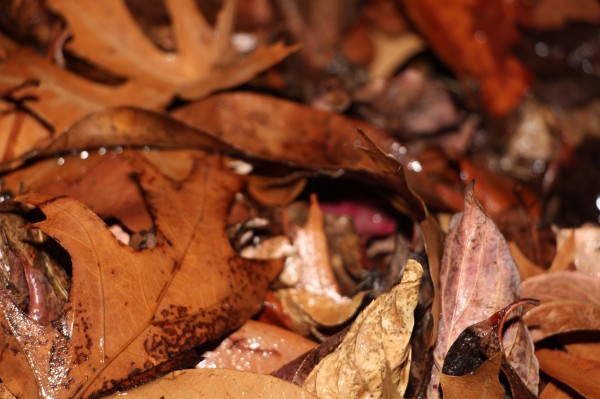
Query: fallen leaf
(477, 347)
(314, 300)
(474, 38)
(256, 347)
(562, 316)
(482, 383)
(129, 311)
(220, 383)
(479, 277)
(582, 246)
(580, 374)
(374, 357)
(526, 267)
(106, 35)
(297, 370)
(570, 302)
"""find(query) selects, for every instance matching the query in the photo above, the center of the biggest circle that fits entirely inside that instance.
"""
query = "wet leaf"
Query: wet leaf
(220, 383)
(374, 357)
(129, 311)
(479, 277)
(257, 347)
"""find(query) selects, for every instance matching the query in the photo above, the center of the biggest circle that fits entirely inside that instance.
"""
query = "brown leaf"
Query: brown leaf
(479, 277)
(482, 383)
(374, 357)
(220, 383)
(282, 130)
(562, 316)
(105, 34)
(314, 299)
(580, 374)
(257, 347)
(570, 302)
(129, 311)
(474, 38)
(569, 285)
(582, 247)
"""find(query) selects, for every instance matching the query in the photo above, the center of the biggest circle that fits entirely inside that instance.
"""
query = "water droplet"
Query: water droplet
(376, 218)
(60, 161)
(415, 166)
(84, 155)
(101, 151)
(118, 149)
(598, 202)
(542, 49)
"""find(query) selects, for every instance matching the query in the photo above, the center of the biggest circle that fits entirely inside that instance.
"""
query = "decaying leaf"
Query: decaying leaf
(482, 383)
(257, 347)
(570, 302)
(130, 311)
(475, 38)
(106, 35)
(221, 383)
(473, 358)
(479, 277)
(580, 374)
(374, 357)
(584, 245)
(314, 298)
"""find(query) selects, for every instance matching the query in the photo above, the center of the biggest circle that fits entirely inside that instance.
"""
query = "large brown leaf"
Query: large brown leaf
(105, 34)
(128, 310)
(222, 383)
(479, 277)
(570, 303)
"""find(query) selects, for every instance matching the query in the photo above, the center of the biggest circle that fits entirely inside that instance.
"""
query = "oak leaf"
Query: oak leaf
(105, 34)
(132, 310)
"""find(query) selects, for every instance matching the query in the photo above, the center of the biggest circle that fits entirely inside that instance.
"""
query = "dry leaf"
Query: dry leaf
(570, 302)
(105, 34)
(315, 299)
(581, 246)
(483, 383)
(477, 345)
(479, 277)
(257, 347)
(580, 374)
(374, 358)
(212, 384)
(129, 311)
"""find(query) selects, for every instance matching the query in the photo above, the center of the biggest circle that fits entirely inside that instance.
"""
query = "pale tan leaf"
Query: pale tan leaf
(211, 384)
(374, 358)
(582, 246)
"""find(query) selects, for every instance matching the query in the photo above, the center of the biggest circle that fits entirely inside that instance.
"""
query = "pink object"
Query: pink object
(367, 219)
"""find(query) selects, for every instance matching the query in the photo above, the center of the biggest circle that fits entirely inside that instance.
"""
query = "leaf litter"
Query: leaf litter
(137, 239)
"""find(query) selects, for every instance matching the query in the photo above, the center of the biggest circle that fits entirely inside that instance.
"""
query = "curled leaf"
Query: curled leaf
(374, 358)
